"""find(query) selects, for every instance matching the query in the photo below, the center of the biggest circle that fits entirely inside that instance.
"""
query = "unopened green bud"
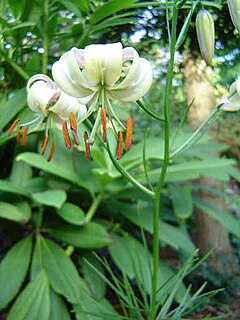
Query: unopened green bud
(234, 9)
(205, 34)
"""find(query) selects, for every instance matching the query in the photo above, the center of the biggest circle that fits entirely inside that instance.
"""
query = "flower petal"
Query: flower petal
(39, 95)
(136, 84)
(103, 63)
(68, 75)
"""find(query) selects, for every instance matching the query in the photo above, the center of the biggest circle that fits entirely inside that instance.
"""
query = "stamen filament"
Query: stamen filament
(51, 152)
(94, 129)
(119, 151)
(104, 124)
(73, 125)
(87, 147)
(66, 136)
(129, 131)
(24, 136)
(12, 127)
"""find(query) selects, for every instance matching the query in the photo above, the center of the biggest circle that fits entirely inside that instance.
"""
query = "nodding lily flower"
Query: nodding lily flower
(232, 101)
(49, 101)
(99, 73)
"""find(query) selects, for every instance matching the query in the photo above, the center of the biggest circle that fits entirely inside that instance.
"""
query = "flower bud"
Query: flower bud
(234, 9)
(205, 34)
(232, 101)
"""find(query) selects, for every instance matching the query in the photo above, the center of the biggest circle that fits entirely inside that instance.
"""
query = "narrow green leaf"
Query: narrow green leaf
(34, 302)
(62, 273)
(225, 218)
(72, 214)
(13, 270)
(10, 108)
(52, 198)
(90, 236)
(109, 8)
(12, 212)
(182, 200)
(58, 308)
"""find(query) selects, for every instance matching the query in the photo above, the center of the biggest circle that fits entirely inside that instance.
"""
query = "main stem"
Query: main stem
(167, 103)
(45, 36)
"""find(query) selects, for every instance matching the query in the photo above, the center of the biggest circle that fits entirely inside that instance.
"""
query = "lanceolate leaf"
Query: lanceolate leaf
(52, 198)
(15, 213)
(13, 269)
(62, 274)
(58, 308)
(34, 302)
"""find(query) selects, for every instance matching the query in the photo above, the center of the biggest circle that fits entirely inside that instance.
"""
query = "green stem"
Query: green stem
(216, 112)
(167, 103)
(19, 70)
(45, 36)
(40, 218)
(91, 211)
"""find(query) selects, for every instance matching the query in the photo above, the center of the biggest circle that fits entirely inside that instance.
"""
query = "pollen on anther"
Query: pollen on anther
(104, 124)
(87, 147)
(51, 152)
(24, 135)
(119, 150)
(44, 144)
(13, 126)
(66, 136)
(129, 131)
(73, 125)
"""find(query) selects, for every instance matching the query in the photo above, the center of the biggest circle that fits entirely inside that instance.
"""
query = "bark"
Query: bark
(198, 87)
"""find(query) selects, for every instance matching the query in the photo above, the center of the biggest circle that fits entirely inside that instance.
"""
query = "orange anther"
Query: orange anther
(129, 131)
(119, 151)
(19, 132)
(24, 135)
(66, 136)
(51, 152)
(104, 124)
(73, 125)
(44, 144)
(87, 147)
(12, 127)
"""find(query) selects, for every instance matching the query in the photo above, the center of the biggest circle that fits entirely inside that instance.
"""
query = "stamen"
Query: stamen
(24, 136)
(51, 152)
(87, 147)
(129, 131)
(66, 136)
(119, 151)
(19, 132)
(104, 124)
(73, 125)
(12, 127)
(44, 144)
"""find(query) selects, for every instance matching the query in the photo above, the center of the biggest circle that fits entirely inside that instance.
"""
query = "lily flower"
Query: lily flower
(46, 99)
(232, 101)
(99, 73)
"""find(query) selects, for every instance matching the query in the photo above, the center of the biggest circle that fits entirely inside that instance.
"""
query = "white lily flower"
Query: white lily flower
(100, 73)
(232, 101)
(49, 101)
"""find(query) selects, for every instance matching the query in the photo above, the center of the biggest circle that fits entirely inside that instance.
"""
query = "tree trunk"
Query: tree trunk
(198, 88)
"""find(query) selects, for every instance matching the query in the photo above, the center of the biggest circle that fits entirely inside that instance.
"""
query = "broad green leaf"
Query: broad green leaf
(19, 213)
(52, 198)
(8, 186)
(225, 218)
(90, 236)
(13, 270)
(62, 273)
(34, 302)
(72, 214)
(58, 308)
(10, 108)
(172, 235)
(137, 262)
(109, 8)
(20, 174)
(90, 309)
(182, 200)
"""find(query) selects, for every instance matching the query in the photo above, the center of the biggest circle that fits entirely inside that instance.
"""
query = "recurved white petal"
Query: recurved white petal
(103, 62)
(135, 85)
(68, 75)
(39, 95)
